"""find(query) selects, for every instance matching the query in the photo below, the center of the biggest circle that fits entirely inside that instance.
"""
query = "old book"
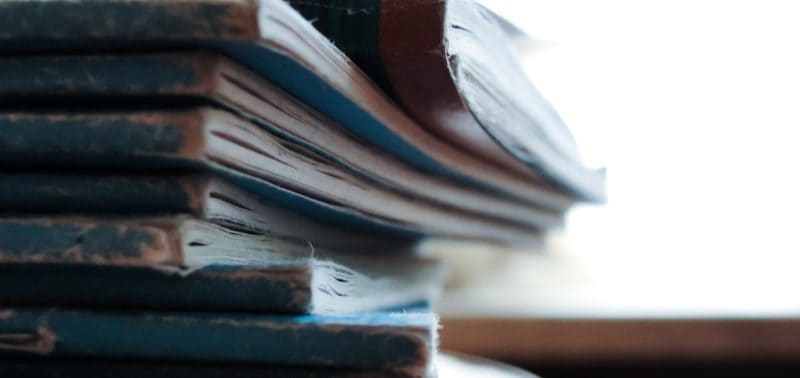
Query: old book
(276, 42)
(218, 81)
(212, 140)
(203, 196)
(456, 73)
(178, 262)
(401, 341)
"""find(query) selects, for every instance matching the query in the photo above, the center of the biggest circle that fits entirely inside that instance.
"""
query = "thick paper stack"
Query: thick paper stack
(211, 184)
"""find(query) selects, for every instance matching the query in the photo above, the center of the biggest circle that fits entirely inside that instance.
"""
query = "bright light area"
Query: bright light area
(694, 107)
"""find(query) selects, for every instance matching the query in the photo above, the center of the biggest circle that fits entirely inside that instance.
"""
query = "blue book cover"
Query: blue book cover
(402, 341)
(272, 39)
(178, 262)
(211, 140)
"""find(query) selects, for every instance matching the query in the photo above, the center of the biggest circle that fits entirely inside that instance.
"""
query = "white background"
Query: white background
(694, 107)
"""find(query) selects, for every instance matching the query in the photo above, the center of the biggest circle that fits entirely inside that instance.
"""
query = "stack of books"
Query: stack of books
(211, 187)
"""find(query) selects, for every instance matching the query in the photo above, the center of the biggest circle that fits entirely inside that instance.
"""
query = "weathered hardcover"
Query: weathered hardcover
(402, 341)
(273, 40)
(177, 262)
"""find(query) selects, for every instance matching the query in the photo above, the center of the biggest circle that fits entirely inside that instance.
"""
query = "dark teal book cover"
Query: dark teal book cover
(181, 263)
(401, 341)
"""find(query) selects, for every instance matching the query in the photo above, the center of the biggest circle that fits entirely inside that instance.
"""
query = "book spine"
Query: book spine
(31, 21)
(106, 286)
(371, 341)
(87, 241)
(129, 264)
(30, 78)
(60, 193)
(131, 140)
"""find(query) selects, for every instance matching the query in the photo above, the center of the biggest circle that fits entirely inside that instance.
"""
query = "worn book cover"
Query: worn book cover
(179, 262)
(399, 341)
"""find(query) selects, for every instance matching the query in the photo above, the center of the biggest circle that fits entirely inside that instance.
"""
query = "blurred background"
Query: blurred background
(694, 107)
